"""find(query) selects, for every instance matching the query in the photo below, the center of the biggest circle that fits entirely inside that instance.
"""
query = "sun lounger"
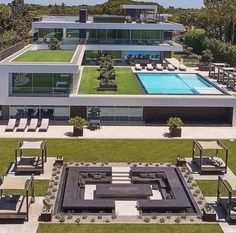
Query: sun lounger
(182, 67)
(170, 67)
(22, 125)
(33, 125)
(159, 67)
(11, 125)
(149, 67)
(138, 67)
(44, 124)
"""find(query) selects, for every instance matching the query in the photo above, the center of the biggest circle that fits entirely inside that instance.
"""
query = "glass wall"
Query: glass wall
(115, 113)
(51, 112)
(46, 33)
(108, 36)
(41, 84)
(146, 37)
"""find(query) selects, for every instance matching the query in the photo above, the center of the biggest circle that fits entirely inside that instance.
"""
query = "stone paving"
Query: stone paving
(138, 131)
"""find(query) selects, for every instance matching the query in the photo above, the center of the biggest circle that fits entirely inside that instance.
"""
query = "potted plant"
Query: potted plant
(209, 214)
(175, 124)
(78, 124)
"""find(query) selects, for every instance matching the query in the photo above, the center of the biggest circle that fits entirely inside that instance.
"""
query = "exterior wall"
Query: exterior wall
(200, 115)
(78, 111)
(5, 112)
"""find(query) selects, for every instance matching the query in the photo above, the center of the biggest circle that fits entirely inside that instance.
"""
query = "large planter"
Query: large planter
(46, 216)
(203, 67)
(175, 132)
(78, 132)
(208, 216)
(107, 88)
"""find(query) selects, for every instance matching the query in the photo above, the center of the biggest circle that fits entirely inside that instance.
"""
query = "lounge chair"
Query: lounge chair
(22, 125)
(11, 125)
(44, 124)
(138, 67)
(159, 67)
(170, 67)
(149, 67)
(182, 67)
(33, 125)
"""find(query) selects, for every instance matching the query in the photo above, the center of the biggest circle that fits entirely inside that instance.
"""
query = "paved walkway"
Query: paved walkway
(126, 132)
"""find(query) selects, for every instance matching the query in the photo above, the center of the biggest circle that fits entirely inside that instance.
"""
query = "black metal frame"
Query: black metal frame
(199, 147)
(19, 153)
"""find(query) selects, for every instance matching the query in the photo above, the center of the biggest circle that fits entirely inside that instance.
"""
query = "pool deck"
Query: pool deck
(125, 132)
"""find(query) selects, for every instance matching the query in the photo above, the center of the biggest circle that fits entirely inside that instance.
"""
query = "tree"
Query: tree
(195, 39)
(54, 44)
(207, 56)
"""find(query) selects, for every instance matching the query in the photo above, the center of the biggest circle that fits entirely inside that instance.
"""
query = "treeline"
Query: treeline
(199, 41)
(15, 23)
(111, 7)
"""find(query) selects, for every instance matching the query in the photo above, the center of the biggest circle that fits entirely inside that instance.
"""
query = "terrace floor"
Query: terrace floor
(46, 56)
(125, 132)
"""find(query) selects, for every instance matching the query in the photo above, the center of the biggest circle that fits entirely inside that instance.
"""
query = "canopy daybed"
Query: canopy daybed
(16, 206)
(228, 203)
(209, 163)
(25, 161)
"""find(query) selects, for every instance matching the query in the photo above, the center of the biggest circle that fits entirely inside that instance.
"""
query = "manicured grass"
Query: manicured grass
(209, 188)
(41, 187)
(46, 56)
(125, 79)
(121, 228)
(177, 56)
(113, 150)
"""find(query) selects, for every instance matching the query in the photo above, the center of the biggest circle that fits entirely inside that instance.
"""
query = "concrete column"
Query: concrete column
(64, 33)
(234, 117)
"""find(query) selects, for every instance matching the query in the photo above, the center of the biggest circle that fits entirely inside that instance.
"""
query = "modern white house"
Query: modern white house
(49, 88)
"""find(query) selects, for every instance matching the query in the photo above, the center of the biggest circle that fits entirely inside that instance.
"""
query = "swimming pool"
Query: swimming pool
(180, 84)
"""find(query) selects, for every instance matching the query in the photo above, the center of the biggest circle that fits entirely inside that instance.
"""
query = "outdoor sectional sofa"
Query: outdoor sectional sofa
(170, 183)
(75, 188)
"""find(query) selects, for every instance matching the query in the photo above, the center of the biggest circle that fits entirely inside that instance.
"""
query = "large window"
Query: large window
(41, 83)
(72, 33)
(109, 36)
(115, 113)
(47, 33)
(39, 112)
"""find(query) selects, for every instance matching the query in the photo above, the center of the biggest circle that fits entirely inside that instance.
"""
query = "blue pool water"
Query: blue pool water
(167, 83)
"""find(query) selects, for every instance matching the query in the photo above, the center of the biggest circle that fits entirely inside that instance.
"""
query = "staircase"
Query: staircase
(120, 175)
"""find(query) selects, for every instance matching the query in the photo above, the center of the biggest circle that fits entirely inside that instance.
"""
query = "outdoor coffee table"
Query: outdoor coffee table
(123, 190)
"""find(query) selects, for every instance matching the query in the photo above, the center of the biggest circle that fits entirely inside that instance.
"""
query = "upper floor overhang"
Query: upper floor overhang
(162, 26)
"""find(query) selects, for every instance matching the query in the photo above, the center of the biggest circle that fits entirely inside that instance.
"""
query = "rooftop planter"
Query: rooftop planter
(78, 124)
(175, 124)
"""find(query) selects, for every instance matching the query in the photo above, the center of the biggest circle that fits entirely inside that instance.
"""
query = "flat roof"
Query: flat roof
(140, 7)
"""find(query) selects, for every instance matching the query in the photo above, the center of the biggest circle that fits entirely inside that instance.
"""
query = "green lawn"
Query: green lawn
(209, 188)
(41, 187)
(121, 228)
(126, 82)
(46, 56)
(116, 150)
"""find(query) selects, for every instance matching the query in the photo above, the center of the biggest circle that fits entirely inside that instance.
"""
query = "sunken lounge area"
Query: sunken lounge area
(151, 190)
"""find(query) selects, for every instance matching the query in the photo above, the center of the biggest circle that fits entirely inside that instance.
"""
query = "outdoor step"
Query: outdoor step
(120, 175)
(120, 169)
(121, 182)
(120, 178)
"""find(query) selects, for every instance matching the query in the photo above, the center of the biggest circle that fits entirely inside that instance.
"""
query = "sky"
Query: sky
(165, 3)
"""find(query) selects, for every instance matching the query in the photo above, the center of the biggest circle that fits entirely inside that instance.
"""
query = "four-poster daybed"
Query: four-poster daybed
(229, 202)
(209, 163)
(16, 206)
(26, 162)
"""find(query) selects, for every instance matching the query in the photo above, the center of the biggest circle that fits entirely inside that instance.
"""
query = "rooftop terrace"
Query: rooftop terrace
(45, 56)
